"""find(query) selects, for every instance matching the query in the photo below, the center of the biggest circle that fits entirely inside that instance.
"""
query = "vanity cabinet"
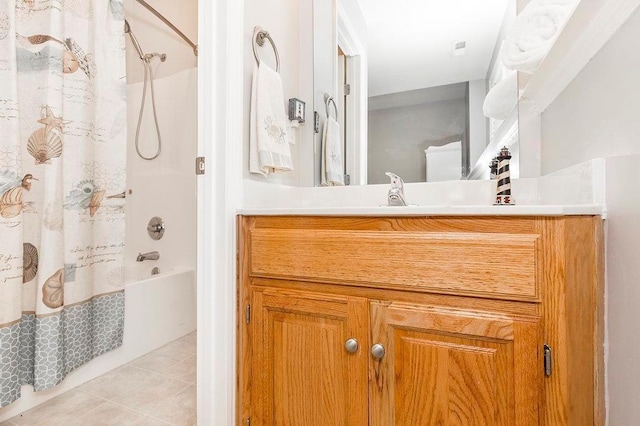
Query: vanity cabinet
(420, 321)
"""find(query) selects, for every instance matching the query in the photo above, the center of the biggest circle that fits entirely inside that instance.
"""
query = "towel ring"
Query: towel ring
(329, 100)
(259, 35)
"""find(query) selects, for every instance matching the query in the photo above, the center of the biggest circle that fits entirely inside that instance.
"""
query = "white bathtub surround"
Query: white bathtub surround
(159, 310)
(166, 186)
(62, 168)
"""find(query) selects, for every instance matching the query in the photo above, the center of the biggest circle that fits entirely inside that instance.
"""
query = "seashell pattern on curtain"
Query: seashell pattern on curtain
(62, 90)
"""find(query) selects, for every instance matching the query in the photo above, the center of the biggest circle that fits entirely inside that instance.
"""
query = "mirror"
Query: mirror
(409, 80)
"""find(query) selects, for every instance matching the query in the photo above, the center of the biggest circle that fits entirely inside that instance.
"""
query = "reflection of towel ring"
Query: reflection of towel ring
(259, 35)
(329, 100)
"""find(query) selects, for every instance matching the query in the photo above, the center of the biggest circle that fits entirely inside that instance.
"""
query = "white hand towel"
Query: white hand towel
(502, 98)
(534, 32)
(332, 169)
(269, 150)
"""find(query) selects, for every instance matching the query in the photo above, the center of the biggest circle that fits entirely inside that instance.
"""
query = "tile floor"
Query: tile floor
(156, 389)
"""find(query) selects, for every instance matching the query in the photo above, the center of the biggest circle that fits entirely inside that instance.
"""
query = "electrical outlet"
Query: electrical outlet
(296, 110)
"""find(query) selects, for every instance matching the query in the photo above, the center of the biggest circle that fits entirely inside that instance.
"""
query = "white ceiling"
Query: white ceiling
(410, 42)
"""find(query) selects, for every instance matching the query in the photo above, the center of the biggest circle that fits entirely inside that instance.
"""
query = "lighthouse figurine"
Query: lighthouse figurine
(503, 192)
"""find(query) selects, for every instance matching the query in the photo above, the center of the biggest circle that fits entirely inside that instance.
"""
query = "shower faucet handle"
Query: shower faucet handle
(156, 228)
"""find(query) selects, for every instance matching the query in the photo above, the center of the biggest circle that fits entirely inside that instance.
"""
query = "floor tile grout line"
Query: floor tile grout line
(157, 419)
(136, 411)
(187, 385)
(167, 376)
(184, 382)
(165, 400)
(104, 400)
(182, 355)
(160, 374)
(178, 361)
(51, 401)
(167, 368)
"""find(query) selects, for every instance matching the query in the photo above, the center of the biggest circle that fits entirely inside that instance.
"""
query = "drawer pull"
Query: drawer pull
(351, 345)
(377, 351)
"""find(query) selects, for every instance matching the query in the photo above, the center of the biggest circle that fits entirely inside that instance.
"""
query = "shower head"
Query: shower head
(134, 40)
(136, 44)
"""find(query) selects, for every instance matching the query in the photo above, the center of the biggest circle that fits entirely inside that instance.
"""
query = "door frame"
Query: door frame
(220, 190)
(357, 101)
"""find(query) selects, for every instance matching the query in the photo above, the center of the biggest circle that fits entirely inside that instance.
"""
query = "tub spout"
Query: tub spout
(152, 255)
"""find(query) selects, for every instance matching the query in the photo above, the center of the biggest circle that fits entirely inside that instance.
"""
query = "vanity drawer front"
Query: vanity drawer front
(496, 265)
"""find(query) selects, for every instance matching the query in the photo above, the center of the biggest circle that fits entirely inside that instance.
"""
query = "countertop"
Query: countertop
(503, 210)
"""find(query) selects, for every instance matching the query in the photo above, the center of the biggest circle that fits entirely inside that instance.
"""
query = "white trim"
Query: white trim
(221, 25)
(591, 26)
(506, 135)
(530, 144)
(357, 103)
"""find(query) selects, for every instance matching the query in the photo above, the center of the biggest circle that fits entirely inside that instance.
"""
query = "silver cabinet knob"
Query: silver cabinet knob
(377, 351)
(351, 345)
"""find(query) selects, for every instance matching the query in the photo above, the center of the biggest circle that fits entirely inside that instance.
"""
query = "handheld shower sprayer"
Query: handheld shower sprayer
(146, 59)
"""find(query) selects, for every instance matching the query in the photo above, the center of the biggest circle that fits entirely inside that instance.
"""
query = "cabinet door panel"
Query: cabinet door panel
(445, 367)
(303, 374)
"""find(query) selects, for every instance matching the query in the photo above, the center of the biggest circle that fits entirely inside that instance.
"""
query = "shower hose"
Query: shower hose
(148, 71)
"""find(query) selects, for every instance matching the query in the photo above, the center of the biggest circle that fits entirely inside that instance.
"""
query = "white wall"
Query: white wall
(598, 115)
(289, 22)
(155, 36)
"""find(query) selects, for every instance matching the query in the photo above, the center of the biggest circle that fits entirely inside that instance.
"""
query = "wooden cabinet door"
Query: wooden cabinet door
(452, 367)
(302, 373)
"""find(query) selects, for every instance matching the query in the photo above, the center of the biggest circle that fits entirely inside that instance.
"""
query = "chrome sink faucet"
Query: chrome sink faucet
(396, 192)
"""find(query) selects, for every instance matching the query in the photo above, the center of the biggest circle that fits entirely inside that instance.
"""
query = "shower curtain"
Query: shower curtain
(62, 182)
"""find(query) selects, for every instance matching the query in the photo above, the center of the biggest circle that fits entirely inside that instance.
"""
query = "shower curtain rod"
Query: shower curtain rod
(170, 25)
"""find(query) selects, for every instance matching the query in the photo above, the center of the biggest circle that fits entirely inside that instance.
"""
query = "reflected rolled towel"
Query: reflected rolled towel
(534, 32)
(502, 98)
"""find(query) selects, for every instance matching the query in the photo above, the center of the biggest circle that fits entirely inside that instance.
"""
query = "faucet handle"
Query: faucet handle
(396, 181)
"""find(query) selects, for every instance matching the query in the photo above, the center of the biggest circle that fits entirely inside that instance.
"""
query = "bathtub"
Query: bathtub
(158, 310)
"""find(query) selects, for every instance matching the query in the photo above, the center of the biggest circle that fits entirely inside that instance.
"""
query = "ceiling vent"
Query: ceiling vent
(459, 48)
